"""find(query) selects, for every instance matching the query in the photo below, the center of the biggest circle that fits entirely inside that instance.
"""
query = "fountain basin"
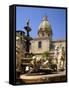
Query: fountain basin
(33, 78)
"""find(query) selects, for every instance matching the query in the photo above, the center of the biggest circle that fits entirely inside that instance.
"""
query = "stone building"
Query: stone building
(44, 43)
(20, 47)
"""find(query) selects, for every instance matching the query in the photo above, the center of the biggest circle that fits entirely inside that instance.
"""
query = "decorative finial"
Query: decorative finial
(45, 18)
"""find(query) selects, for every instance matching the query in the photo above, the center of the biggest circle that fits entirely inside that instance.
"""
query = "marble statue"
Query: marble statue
(59, 57)
(55, 55)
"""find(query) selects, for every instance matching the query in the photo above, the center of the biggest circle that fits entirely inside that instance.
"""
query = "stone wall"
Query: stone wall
(44, 47)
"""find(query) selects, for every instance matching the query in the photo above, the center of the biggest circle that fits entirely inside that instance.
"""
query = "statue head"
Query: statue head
(60, 45)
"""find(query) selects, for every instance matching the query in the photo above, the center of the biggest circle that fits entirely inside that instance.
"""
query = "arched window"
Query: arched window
(39, 44)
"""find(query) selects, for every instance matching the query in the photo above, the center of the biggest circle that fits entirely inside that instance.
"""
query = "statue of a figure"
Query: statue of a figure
(55, 55)
(60, 58)
(27, 22)
(35, 64)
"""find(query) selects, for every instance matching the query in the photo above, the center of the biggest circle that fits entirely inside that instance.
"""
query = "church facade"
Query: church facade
(44, 43)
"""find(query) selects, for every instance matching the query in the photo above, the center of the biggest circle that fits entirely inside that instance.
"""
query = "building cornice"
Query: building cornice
(42, 38)
(54, 41)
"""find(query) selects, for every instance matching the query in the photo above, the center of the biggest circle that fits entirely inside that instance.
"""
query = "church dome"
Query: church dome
(44, 23)
(45, 26)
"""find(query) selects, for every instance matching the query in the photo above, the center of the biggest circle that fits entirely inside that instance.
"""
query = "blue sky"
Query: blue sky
(56, 17)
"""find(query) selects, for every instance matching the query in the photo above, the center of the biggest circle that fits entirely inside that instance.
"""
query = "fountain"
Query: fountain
(37, 74)
(33, 67)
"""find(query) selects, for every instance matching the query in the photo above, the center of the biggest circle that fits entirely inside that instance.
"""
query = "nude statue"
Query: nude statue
(59, 57)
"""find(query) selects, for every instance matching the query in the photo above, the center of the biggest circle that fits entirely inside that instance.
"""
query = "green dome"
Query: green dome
(44, 25)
